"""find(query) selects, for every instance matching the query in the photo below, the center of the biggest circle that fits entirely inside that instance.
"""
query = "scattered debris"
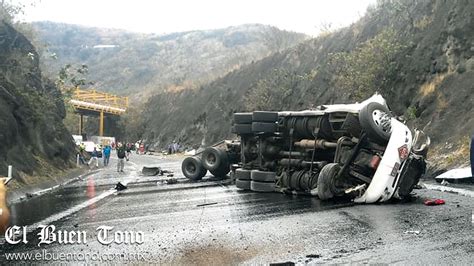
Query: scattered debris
(120, 187)
(420, 186)
(206, 204)
(153, 171)
(413, 232)
(286, 263)
(431, 202)
(458, 175)
(171, 181)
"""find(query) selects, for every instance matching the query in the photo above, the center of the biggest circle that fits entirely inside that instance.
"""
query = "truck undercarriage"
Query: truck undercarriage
(359, 151)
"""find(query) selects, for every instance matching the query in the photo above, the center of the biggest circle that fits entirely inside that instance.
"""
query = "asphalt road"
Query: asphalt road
(211, 222)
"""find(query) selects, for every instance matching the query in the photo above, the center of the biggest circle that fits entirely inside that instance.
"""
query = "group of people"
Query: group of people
(123, 153)
(173, 147)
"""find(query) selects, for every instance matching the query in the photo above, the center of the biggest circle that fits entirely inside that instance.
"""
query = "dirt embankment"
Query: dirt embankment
(32, 136)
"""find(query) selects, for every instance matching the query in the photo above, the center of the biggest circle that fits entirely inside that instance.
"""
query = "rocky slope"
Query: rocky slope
(131, 63)
(418, 54)
(32, 136)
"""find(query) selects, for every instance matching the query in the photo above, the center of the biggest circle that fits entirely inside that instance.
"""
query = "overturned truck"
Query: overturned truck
(358, 151)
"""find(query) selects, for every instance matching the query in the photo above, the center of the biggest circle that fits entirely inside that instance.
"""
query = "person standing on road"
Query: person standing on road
(128, 148)
(4, 212)
(121, 157)
(94, 158)
(106, 152)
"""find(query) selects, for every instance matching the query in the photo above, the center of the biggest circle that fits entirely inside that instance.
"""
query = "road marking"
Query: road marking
(460, 191)
(58, 216)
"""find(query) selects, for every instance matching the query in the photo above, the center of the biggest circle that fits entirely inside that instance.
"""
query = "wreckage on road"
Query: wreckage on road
(360, 151)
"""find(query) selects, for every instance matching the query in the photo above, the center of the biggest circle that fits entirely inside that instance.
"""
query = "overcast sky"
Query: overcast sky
(166, 16)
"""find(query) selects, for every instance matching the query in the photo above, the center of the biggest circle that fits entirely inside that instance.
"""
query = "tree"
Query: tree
(369, 67)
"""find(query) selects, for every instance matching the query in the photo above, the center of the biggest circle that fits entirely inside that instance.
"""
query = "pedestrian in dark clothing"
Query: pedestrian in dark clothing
(121, 157)
(128, 149)
(94, 156)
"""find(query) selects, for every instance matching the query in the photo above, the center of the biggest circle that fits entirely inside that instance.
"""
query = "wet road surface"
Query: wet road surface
(211, 222)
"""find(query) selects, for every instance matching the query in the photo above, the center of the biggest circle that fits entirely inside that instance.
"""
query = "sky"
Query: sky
(166, 16)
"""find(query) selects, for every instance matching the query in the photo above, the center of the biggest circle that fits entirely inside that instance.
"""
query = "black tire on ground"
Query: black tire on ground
(242, 184)
(369, 118)
(193, 169)
(222, 171)
(264, 127)
(264, 116)
(243, 129)
(242, 118)
(262, 186)
(326, 181)
(242, 174)
(262, 176)
(213, 158)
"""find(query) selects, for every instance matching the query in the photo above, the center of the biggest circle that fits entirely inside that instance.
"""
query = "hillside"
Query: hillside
(33, 138)
(418, 54)
(128, 63)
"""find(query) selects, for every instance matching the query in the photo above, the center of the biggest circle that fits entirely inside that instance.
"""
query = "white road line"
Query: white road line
(460, 191)
(133, 176)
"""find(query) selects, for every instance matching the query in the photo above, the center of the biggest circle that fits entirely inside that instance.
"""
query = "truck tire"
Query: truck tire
(264, 116)
(262, 176)
(242, 184)
(242, 118)
(373, 120)
(262, 186)
(326, 181)
(193, 169)
(242, 174)
(212, 158)
(260, 127)
(222, 171)
(242, 129)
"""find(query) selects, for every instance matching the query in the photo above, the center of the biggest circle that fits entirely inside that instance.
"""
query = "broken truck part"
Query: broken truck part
(358, 151)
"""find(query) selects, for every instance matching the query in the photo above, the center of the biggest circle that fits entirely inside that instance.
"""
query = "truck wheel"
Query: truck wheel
(262, 176)
(242, 184)
(375, 120)
(262, 186)
(264, 127)
(212, 158)
(264, 116)
(222, 171)
(243, 129)
(327, 181)
(242, 118)
(192, 168)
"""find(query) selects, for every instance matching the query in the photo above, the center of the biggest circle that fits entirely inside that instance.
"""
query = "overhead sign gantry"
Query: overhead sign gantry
(95, 103)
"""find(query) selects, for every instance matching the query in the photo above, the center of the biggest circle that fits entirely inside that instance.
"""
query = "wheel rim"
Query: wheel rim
(191, 168)
(211, 159)
(382, 121)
